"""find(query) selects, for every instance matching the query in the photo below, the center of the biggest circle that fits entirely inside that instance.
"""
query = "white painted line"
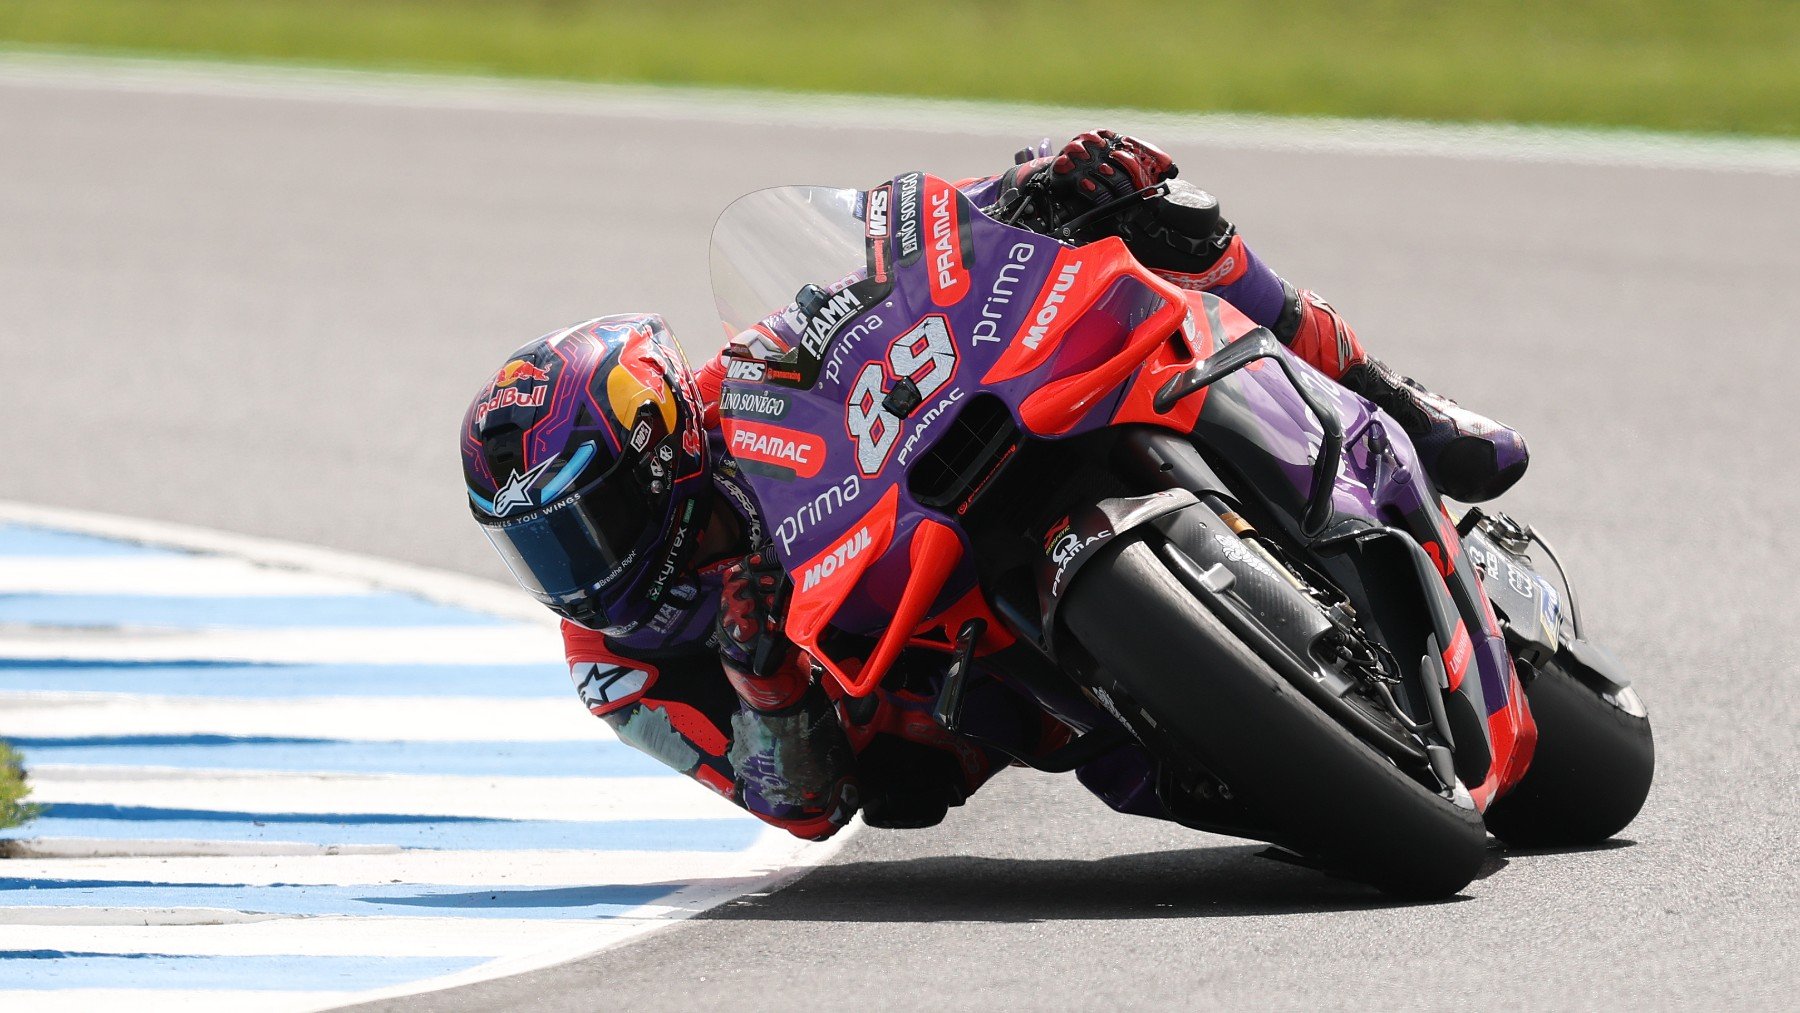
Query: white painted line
(81, 1000)
(475, 868)
(510, 798)
(147, 917)
(323, 937)
(62, 850)
(424, 645)
(685, 903)
(1567, 146)
(377, 719)
(159, 576)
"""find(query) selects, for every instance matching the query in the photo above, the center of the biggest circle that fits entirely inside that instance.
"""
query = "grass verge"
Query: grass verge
(13, 790)
(1686, 65)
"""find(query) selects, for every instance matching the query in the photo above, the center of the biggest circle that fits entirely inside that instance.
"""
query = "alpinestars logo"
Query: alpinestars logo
(516, 492)
(842, 553)
(606, 688)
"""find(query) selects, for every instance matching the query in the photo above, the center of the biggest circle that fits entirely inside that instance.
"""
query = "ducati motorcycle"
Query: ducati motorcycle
(990, 457)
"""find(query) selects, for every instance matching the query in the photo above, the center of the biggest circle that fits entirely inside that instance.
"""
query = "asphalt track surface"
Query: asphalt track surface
(265, 315)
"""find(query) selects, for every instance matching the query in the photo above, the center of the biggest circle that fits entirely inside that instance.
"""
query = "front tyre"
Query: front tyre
(1315, 786)
(1590, 774)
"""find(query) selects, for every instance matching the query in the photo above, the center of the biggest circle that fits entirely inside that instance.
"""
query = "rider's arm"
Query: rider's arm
(675, 707)
(710, 378)
(769, 742)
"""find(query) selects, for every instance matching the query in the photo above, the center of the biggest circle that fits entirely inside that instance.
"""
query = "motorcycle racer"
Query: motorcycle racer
(595, 466)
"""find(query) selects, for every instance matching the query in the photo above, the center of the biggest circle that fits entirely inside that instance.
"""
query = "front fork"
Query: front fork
(1467, 640)
(1481, 650)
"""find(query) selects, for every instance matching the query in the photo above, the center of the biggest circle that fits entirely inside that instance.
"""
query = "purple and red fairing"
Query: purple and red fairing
(945, 305)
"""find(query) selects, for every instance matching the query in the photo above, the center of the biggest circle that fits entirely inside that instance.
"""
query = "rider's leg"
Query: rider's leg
(1183, 238)
(788, 765)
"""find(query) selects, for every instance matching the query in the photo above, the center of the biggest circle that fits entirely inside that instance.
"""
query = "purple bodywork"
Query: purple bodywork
(961, 297)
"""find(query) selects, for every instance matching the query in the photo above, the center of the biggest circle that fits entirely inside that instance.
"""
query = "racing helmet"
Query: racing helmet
(586, 468)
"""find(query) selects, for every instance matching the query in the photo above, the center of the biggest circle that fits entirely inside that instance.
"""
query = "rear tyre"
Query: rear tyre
(1590, 774)
(1316, 787)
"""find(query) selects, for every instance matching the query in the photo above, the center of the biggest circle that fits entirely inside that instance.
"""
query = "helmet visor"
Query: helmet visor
(571, 550)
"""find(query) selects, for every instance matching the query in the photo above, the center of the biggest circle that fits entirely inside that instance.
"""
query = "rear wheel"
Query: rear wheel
(1317, 788)
(1590, 774)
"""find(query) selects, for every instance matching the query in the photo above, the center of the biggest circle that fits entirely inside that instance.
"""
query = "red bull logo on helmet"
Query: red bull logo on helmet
(517, 370)
(507, 393)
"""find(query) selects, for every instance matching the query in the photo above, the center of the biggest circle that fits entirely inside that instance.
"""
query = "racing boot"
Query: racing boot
(1469, 457)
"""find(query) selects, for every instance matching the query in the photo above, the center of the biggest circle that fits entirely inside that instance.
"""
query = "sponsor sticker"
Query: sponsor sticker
(847, 342)
(506, 391)
(606, 688)
(1458, 654)
(1049, 307)
(672, 553)
(820, 507)
(516, 492)
(754, 404)
(518, 370)
(511, 397)
(746, 369)
(1000, 295)
(801, 453)
(854, 545)
(875, 233)
(924, 422)
(842, 305)
(876, 224)
(948, 275)
(909, 234)
(1066, 546)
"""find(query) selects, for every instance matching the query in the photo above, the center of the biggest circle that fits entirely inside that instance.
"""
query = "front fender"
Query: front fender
(1076, 538)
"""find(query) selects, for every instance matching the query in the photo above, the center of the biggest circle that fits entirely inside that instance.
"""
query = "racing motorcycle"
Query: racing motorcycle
(998, 458)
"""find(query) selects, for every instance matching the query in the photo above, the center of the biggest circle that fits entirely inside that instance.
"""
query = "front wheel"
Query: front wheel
(1592, 769)
(1316, 787)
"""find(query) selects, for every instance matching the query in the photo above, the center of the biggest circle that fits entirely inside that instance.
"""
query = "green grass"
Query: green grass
(1689, 65)
(13, 789)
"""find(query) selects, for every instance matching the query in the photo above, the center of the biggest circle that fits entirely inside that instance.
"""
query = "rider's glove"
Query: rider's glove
(1094, 171)
(767, 671)
(1181, 230)
(747, 607)
(1100, 167)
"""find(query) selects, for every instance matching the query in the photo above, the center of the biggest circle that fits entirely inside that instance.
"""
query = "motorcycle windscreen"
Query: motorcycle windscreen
(769, 244)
